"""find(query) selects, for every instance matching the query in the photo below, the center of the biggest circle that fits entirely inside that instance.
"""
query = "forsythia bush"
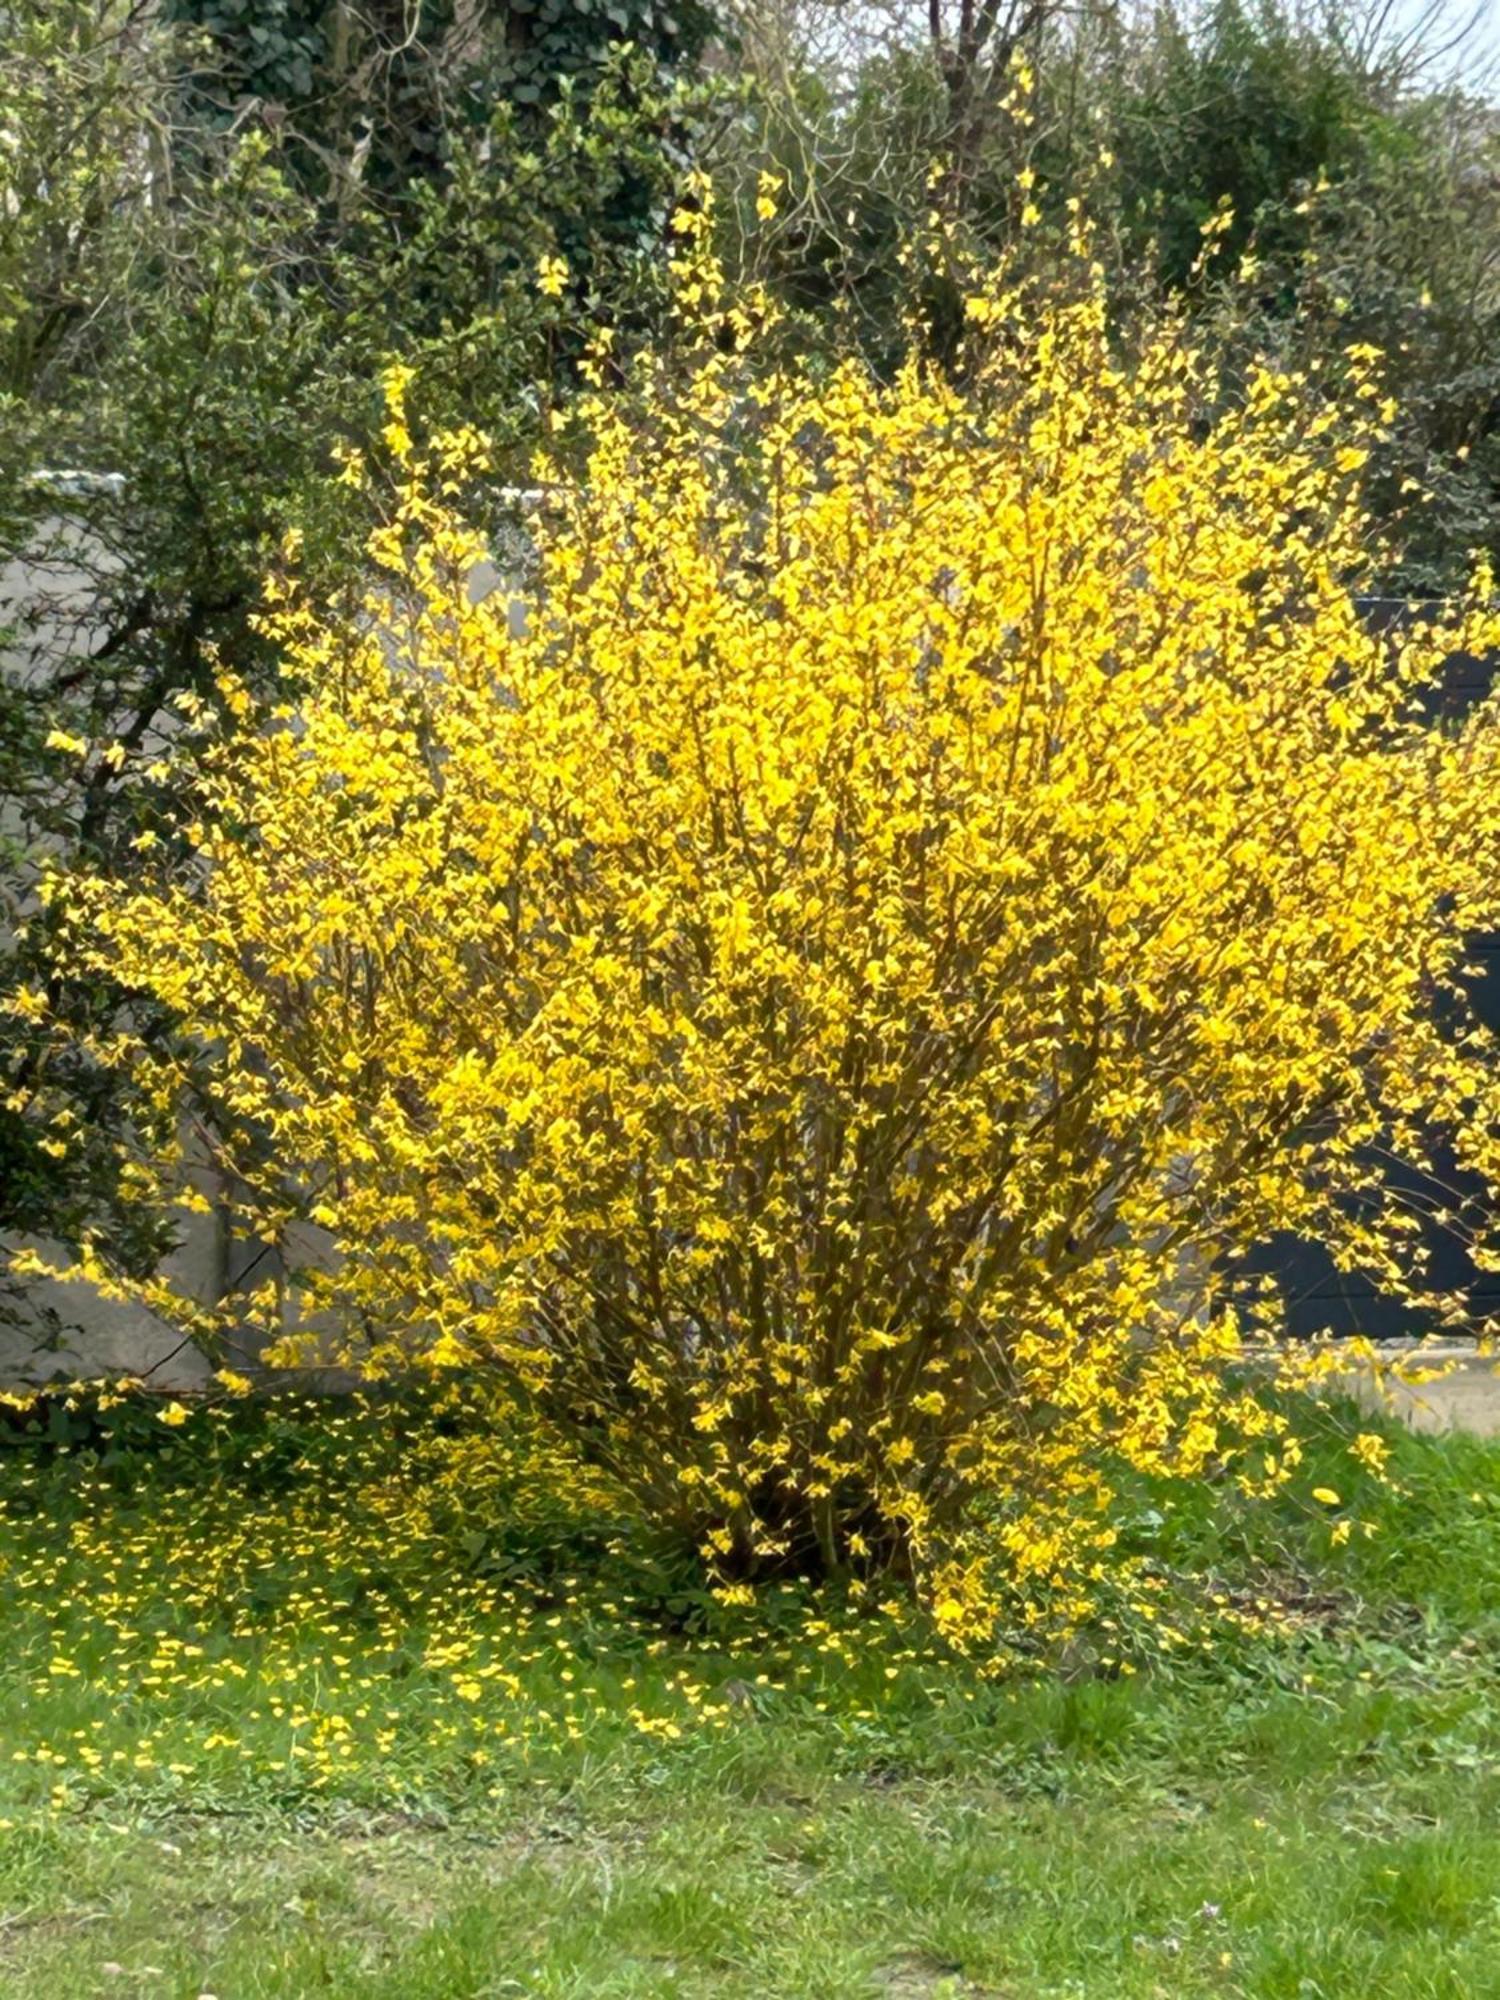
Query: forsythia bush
(941, 867)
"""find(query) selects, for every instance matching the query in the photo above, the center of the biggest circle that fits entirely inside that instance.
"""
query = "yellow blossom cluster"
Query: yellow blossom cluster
(941, 866)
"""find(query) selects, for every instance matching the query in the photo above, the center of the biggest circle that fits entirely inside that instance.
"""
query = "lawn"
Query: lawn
(291, 1705)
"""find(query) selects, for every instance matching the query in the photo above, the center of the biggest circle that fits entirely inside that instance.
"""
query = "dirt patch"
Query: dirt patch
(918, 1976)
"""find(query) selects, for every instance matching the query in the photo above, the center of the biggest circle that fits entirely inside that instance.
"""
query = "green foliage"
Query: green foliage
(373, 99)
(1247, 104)
(275, 50)
(456, 291)
(78, 89)
(1405, 255)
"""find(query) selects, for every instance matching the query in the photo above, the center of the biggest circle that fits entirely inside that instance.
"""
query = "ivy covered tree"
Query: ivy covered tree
(373, 97)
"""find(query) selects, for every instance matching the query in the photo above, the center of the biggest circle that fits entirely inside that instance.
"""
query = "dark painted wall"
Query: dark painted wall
(1318, 1296)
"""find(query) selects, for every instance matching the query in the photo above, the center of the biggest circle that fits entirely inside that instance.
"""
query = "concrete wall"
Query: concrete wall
(48, 1328)
(47, 595)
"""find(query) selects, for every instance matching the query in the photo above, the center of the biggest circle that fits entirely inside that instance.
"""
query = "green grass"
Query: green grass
(290, 1706)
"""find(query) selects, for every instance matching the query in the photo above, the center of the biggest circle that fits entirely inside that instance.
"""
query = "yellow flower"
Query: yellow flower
(1371, 1450)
